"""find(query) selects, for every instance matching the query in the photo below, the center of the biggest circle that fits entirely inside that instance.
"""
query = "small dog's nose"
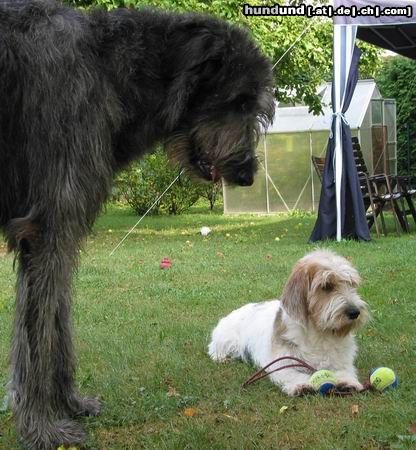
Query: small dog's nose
(352, 313)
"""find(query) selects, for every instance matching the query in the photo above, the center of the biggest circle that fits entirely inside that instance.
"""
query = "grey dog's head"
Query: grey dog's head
(220, 96)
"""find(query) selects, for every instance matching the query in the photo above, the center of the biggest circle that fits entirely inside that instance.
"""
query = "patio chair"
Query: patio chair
(406, 187)
(385, 188)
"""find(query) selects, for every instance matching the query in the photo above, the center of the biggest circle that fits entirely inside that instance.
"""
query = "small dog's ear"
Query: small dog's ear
(295, 294)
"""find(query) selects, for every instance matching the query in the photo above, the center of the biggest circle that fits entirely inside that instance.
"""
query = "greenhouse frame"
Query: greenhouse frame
(286, 179)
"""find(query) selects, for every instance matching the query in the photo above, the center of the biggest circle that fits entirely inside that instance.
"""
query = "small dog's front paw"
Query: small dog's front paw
(217, 355)
(220, 358)
(301, 390)
(348, 388)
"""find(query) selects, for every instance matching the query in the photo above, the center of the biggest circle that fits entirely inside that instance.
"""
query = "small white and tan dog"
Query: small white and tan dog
(315, 321)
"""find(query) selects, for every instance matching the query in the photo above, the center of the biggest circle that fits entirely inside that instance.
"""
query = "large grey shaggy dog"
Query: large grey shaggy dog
(81, 95)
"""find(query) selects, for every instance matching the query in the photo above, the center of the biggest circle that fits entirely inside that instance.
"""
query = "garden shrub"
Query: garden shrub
(146, 179)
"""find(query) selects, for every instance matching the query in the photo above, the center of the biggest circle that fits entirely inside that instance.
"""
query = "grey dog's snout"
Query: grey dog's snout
(352, 313)
(245, 178)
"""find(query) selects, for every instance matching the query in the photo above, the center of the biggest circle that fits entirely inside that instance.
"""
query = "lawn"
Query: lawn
(142, 333)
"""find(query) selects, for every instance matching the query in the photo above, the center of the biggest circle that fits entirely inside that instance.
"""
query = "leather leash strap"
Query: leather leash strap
(262, 372)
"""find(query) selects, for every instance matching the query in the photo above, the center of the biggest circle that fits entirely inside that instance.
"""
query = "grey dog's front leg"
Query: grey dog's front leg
(42, 388)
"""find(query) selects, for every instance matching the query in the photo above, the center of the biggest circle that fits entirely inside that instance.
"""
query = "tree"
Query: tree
(301, 71)
(397, 79)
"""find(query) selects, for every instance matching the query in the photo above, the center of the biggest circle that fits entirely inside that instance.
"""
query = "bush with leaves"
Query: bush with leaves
(145, 180)
(397, 79)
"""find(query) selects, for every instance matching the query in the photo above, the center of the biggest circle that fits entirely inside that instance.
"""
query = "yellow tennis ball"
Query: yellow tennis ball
(323, 380)
(383, 378)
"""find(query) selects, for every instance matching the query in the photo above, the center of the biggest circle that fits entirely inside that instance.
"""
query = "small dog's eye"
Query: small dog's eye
(328, 287)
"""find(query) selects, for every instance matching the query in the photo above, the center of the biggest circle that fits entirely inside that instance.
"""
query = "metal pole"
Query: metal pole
(266, 169)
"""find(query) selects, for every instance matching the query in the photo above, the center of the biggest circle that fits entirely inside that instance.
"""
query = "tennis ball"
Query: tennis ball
(383, 378)
(322, 381)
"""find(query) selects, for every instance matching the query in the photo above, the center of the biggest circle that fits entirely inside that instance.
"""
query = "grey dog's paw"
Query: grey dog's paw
(85, 406)
(50, 436)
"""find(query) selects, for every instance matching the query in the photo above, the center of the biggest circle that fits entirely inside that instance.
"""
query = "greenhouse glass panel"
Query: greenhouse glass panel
(392, 162)
(390, 119)
(379, 149)
(319, 144)
(287, 179)
(377, 112)
(249, 199)
(365, 137)
(288, 161)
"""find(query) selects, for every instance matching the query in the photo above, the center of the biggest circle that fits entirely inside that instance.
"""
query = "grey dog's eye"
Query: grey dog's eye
(328, 287)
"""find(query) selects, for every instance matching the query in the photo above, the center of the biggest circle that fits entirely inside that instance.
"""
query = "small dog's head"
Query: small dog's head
(322, 291)
(220, 94)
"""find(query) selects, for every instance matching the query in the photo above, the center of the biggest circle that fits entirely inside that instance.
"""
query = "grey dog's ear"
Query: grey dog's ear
(295, 294)
(195, 44)
(195, 65)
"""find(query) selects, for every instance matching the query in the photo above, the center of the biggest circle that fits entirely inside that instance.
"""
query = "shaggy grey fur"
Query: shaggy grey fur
(82, 95)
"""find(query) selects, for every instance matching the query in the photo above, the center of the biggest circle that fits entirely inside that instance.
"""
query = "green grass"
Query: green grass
(142, 332)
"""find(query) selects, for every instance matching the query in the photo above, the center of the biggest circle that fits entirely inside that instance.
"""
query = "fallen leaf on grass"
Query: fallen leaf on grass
(172, 392)
(355, 410)
(230, 417)
(283, 409)
(412, 428)
(190, 412)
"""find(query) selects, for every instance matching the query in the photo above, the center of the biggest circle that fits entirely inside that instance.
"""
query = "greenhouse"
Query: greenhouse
(286, 179)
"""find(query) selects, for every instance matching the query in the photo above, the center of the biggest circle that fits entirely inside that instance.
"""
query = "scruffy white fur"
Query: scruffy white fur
(315, 321)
